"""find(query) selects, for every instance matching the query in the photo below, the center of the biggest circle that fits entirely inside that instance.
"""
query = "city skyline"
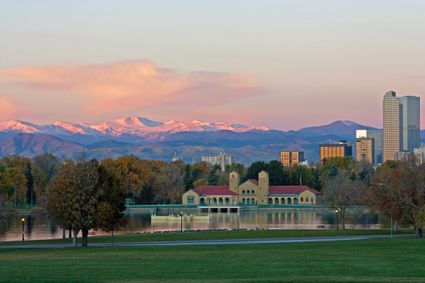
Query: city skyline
(270, 64)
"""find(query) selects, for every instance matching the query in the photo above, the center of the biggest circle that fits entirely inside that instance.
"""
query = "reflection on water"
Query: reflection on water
(39, 226)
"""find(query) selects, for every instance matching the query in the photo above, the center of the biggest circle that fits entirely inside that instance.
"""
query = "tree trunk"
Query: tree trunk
(419, 232)
(85, 232)
(343, 218)
(63, 233)
(75, 232)
(70, 232)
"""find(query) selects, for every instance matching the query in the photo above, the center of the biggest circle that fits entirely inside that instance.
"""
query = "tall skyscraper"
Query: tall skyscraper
(410, 123)
(391, 125)
(401, 124)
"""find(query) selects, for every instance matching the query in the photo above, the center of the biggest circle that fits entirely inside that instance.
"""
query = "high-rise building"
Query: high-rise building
(332, 150)
(410, 123)
(401, 124)
(291, 158)
(221, 159)
(391, 125)
(378, 142)
(365, 150)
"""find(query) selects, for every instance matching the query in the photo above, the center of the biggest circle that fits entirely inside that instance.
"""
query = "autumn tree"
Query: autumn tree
(86, 195)
(22, 164)
(398, 190)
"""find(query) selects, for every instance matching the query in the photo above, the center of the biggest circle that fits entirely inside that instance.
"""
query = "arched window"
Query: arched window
(289, 201)
(276, 201)
(253, 201)
(190, 199)
(282, 200)
(248, 201)
(295, 200)
(270, 201)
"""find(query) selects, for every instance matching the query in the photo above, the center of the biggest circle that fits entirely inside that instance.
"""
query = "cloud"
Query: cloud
(127, 87)
(8, 110)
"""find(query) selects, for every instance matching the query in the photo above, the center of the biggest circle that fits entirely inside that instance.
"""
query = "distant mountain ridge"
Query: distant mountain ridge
(138, 126)
(150, 139)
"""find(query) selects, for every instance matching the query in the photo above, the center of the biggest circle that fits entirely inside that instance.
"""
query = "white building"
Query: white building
(221, 159)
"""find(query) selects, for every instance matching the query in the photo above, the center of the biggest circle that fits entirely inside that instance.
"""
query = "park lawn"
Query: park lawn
(376, 260)
(218, 235)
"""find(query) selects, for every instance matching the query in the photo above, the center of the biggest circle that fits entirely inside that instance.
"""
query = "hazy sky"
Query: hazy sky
(282, 64)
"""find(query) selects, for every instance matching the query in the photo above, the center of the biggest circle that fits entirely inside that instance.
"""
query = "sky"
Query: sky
(284, 64)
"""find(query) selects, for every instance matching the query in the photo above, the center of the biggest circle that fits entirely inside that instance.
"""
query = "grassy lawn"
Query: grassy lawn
(216, 235)
(377, 260)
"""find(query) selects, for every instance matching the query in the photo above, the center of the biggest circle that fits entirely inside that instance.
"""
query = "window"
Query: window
(190, 199)
(243, 191)
(252, 192)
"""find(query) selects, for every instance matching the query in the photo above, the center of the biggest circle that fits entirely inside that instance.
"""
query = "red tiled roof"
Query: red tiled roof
(290, 190)
(253, 181)
(214, 190)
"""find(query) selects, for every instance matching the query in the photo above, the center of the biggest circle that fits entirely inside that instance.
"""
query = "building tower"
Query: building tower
(263, 186)
(410, 123)
(234, 181)
(365, 150)
(392, 124)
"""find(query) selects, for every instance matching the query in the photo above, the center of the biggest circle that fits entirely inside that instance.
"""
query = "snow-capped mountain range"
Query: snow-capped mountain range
(131, 126)
(150, 139)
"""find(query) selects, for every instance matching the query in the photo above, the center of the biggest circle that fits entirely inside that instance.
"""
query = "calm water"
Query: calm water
(39, 226)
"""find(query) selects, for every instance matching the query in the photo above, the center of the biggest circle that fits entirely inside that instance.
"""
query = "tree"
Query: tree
(341, 192)
(214, 175)
(133, 174)
(276, 175)
(111, 201)
(254, 169)
(399, 191)
(187, 178)
(24, 165)
(200, 182)
(44, 168)
(72, 197)
(85, 195)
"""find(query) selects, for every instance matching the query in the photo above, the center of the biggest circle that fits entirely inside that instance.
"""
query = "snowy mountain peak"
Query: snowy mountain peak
(129, 126)
(18, 126)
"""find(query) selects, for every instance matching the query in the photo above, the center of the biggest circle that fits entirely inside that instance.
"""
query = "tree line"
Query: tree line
(90, 194)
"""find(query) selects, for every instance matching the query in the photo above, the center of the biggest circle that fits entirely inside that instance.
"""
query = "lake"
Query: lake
(37, 224)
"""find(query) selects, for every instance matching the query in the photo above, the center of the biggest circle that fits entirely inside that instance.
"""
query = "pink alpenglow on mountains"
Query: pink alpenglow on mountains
(138, 126)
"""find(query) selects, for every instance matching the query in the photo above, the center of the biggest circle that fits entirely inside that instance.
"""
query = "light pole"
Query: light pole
(23, 228)
(181, 221)
(336, 213)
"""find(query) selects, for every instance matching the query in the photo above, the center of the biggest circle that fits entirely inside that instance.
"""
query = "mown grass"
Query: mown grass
(217, 235)
(376, 260)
